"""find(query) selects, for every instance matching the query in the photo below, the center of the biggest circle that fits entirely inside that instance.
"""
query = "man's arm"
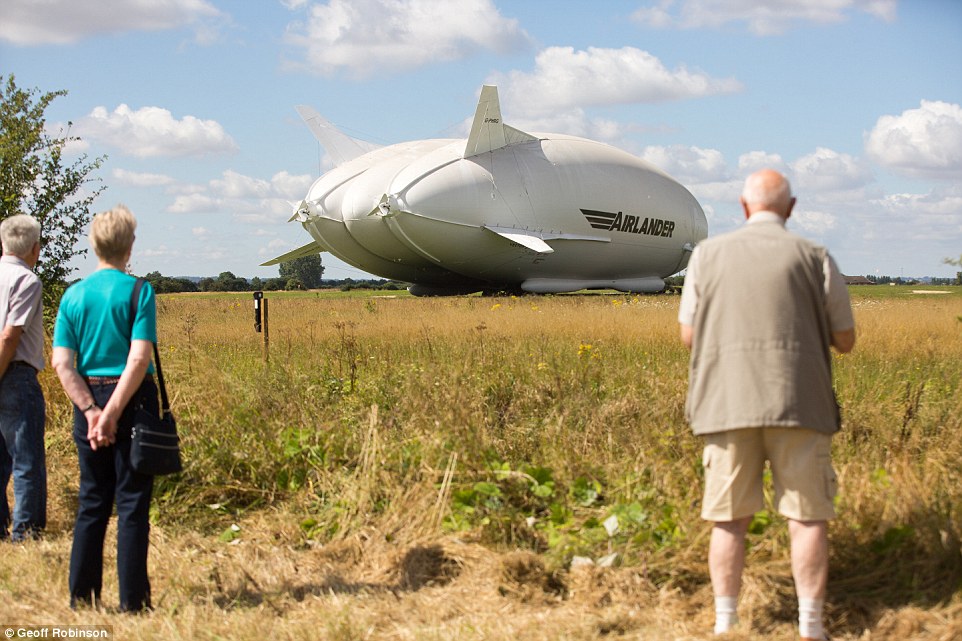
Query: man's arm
(839, 307)
(76, 388)
(687, 334)
(9, 341)
(844, 340)
(689, 300)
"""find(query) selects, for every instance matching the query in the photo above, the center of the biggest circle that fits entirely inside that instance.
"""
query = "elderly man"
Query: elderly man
(22, 408)
(760, 309)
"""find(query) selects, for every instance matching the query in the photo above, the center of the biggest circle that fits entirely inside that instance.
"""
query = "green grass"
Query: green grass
(553, 426)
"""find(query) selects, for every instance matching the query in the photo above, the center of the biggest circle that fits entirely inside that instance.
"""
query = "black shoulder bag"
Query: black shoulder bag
(154, 444)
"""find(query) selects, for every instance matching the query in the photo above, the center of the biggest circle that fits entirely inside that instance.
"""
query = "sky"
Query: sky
(191, 102)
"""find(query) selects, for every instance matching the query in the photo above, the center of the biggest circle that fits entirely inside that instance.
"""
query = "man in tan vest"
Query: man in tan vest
(759, 310)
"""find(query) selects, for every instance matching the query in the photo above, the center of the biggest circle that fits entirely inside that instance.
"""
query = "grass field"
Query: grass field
(407, 468)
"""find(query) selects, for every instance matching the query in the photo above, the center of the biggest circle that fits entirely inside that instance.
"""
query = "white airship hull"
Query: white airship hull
(540, 213)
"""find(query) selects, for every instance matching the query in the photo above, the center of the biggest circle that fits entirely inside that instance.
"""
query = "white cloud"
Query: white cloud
(940, 211)
(754, 160)
(723, 192)
(688, 164)
(247, 199)
(762, 18)
(194, 203)
(276, 244)
(827, 170)
(152, 131)
(565, 79)
(33, 22)
(154, 252)
(840, 205)
(235, 185)
(138, 179)
(368, 36)
(924, 142)
(813, 221)
(290, 185)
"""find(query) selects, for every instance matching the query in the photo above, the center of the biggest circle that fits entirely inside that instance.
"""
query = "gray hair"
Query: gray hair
(19, 234)
(769, 189)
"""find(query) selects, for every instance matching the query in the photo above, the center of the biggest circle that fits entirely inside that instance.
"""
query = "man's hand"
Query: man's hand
(844, 341)
(9, 341)
(687, 334)
(100, 432)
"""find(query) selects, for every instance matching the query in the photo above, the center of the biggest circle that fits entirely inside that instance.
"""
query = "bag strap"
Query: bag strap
(134, 299)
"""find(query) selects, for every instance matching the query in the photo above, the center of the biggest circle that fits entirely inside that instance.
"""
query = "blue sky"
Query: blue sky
(859, 102)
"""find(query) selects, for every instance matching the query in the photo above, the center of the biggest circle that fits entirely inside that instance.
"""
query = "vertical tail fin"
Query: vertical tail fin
(488, 132)
(339, 146)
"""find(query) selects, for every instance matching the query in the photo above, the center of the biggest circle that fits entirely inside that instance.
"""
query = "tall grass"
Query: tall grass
(398, 445)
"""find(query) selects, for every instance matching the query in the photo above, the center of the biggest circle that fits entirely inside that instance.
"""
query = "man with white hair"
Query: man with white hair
(22, 407)
(760, 309)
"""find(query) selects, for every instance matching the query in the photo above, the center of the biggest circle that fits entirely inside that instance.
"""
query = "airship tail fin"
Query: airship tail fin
(488, 132)
(309, 249)
(338, 145)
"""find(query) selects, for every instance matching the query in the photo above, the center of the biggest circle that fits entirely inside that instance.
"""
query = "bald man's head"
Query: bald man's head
(767, 190)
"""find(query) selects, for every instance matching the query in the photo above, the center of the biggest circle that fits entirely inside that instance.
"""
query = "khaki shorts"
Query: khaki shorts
(800, 459)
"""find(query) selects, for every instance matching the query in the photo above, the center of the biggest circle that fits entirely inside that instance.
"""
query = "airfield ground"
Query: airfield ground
(408, 468)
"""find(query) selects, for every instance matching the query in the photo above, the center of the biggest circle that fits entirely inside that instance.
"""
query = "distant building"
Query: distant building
(857, 280)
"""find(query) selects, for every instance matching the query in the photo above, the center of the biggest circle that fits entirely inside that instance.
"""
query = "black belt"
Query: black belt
(21, 364)
(109, 380)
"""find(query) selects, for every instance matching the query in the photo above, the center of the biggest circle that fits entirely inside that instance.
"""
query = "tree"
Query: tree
(35, 180)
(225, 282)
(958, 275)
(166, 285)
(308, 270)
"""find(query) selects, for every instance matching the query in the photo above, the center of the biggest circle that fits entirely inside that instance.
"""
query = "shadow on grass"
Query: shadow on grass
(421, 567)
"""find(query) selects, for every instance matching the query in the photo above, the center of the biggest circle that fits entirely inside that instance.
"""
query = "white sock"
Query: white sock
(810, 618)
(726, 613)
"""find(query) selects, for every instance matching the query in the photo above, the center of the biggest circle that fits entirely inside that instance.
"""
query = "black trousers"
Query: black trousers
(106, 478)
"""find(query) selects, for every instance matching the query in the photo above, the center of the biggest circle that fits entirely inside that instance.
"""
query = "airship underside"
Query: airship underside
(502, 210)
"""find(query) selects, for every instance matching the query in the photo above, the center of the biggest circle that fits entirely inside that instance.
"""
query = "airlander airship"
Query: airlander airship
(504, 210)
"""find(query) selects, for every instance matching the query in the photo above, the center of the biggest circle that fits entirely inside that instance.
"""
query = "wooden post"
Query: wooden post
(267, 342)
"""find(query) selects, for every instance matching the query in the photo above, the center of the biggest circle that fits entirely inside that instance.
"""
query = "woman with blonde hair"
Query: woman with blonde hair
(102, 344)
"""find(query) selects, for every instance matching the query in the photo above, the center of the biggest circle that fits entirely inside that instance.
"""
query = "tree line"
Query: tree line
(889, 280)
(228, 282)
(299, 274)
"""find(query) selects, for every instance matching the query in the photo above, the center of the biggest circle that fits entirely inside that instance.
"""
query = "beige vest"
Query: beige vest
(761, 343)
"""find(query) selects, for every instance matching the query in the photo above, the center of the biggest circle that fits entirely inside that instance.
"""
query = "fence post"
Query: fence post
(260, 322)
(267, 340)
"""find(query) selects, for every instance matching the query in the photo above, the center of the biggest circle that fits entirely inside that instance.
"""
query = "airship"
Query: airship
(501, 211)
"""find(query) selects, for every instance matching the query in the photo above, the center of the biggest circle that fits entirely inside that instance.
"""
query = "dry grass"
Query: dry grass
(426, 469)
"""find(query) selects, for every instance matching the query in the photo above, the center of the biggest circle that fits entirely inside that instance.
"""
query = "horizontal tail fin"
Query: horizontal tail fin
(309, 249)
(525, 238)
